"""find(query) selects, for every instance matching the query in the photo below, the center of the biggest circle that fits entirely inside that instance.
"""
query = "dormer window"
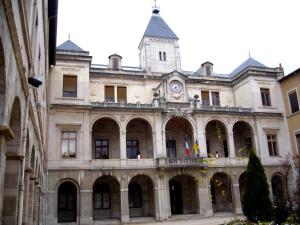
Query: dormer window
(207, 68)
(115, 62)
(162, 56)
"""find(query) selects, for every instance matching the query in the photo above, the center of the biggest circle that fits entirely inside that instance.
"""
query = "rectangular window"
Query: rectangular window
(298, 142)
(109, 93)
(215, 98)
(132, 147)
(265, 96)
(205, 98)
(122, 94)
(294, 101)
(272, 144)
(70, 86)
(68, 144)
(102, 149)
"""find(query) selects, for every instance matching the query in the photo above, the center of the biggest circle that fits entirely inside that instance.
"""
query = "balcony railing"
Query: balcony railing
(181, 162)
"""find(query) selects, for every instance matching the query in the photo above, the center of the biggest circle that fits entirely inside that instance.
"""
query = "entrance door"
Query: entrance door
(176, 197)
(171, 149)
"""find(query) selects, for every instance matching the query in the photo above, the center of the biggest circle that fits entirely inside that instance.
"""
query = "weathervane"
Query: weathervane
(69, 36)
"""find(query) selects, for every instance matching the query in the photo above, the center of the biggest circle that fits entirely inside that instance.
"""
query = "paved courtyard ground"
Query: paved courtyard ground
(216, 220)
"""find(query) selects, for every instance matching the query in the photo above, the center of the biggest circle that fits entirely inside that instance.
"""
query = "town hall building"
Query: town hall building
(155, 141)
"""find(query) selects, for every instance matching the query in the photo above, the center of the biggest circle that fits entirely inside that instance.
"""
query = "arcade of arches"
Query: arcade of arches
(115, 197)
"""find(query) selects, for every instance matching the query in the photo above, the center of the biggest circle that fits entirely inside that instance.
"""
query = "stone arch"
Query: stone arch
(243, 136)
(139, 117)
(105, 139)
(139, 139)
(222, 121)
(106, 198)
(279, 191)
(221, 192)
(141, 196)
(2, 84)
(189, 119)
(178, 132)
(15, 124)
(115, 119)
(183, 194)
(67, 201)
(216, 139)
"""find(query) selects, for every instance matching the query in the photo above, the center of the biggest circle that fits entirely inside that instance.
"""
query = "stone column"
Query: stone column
(2, 171)
(204, 197)
(231, 144)
(123, 144)
(160, 145)
(52, 208)
(201, 138)
(85, 205)
(162, 198)
(124, 200)
(237, 199)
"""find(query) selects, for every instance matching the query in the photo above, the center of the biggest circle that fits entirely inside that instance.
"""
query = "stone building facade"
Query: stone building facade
(155, 141)
(290, 85)
(27, 47)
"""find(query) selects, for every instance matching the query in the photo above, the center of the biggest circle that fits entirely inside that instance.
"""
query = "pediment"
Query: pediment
(174, 74)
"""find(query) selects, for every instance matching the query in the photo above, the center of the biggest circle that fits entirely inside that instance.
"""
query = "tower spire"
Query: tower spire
(155, 8)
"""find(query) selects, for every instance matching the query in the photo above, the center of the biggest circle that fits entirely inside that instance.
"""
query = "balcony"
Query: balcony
(170, 105)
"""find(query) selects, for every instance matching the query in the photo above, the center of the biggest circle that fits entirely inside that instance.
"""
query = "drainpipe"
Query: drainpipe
(23, 152)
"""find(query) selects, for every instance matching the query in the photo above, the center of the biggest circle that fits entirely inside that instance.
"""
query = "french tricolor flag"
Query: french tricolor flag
(187, 148)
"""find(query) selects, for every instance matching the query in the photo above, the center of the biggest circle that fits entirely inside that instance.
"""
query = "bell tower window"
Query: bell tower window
(162, 56)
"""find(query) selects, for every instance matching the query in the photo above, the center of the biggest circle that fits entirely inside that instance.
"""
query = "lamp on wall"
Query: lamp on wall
(35, 82)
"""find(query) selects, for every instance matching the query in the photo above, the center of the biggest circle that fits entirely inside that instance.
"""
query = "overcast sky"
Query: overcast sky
(220, 31)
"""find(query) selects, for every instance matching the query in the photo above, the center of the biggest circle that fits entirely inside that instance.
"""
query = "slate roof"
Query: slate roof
(249, 62)
(70, 46)
(157, 27)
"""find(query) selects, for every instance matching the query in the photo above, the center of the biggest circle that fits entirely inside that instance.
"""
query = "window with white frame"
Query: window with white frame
(293, 99)
(272, 144)
(68, 144)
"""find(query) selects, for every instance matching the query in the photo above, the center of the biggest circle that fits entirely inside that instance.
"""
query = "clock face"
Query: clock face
(176, 86)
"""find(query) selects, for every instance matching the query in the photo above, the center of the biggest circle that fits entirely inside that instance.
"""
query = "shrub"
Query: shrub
(256, 203)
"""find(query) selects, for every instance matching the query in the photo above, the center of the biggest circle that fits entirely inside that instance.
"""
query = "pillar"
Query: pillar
(231, 144)
(201, 138)
(161, 198)
(237, 199)
(124, 200)
(2, 171)
(85, 205)
(123, 155)
(204, 197)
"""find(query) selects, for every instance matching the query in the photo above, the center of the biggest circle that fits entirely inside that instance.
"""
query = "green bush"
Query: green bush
(256, 203)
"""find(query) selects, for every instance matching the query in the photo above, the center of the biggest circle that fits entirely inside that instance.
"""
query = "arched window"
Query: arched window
(102, 196)
(135, 195)
(67, 202)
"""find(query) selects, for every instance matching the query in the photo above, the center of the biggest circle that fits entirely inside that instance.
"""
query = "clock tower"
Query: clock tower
(159, 49)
